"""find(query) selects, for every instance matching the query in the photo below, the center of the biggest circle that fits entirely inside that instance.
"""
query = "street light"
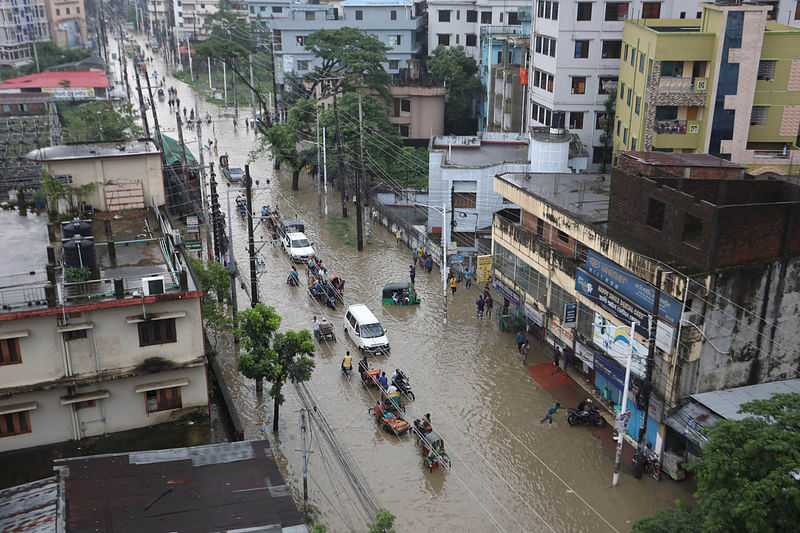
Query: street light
(443, 212)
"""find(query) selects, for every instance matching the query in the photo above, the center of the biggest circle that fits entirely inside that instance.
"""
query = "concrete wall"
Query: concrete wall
(141, 168)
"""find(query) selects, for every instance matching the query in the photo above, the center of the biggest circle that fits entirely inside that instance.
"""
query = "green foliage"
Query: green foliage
(683, 519)
(130, 15)
(746, 476)
(384, 522)
(77, 274)
(53, 190)
(273, 356)
(51, 55)
(226, 24)
(81, 123)
(319, 528)
(215, 283)
(607, 137)
(460, 72)
(350, 54)
(410, 167)
(219, 48)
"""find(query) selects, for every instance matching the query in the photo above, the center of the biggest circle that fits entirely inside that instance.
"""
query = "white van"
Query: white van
(365, 330)
(298, 247)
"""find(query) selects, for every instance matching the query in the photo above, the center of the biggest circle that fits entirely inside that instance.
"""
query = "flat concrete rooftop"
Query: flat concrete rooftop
(93, 150)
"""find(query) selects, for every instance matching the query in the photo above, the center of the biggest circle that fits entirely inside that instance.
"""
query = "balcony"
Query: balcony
(675, 127)
(679, 91)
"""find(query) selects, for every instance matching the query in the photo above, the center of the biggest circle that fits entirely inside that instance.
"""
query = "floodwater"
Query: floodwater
(509, 473)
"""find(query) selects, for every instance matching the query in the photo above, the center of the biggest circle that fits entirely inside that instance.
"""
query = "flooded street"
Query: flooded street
(509, 472)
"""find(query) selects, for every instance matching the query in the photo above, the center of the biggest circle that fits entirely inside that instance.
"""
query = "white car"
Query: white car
(365, 330)
(235, 174)
(297, 246)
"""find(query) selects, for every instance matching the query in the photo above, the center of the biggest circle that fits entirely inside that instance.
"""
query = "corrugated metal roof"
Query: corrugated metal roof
(219, 487)
(89, 78)
(29, 508)
(726, 403)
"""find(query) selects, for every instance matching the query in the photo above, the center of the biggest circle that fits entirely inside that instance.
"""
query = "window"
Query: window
(394, 40)
(651, 10)
(9, 352)
(163, 399)
(540, 227)
(544, 9)
(301, 40)
(619, 124)
(303, 65)
(606, 84)
(622, 91)
(638, 105)
(277, 9)
(393, 14)
(405, 105)
(543, 80)
(74, 334)
(581, 49)
(558, 298)
(486, 17)
(58, 12)
(458, 37)
(625, 136)
(692, 230)
(612, 49)
(67, 11)
(466, 200)
(655, 214)
(443, 38)
(600, 118)
(797, 11)
(633, 143)
(541, 114)
(578, 85)
(444, 15)
(625, 57)
(633, 56)
(88, 404)
(359, 14)
(394, 64)
(563, 237)
(403, 130)
(471, 39)
(545, 45)
(641, 62)
(601, 155)
(310, 15)
(513, 19)
(576, 120)
(766, 69)
(616, 10)
(276, 40)
(584, 10)
(153, 332)
(472, 15)
(15, 424)
(78, 10)
(252, 10)
(629, 97)
(758, 116)
(683, 15)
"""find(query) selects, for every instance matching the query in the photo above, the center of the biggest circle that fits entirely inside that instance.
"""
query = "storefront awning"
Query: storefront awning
(692, 421)
(14, 334)
(154, 316)
(74, 327)
(181, 382)
(17, 407)
(85, 397)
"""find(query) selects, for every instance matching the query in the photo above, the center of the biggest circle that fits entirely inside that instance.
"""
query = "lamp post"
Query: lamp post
(443, 212)
(624, 409)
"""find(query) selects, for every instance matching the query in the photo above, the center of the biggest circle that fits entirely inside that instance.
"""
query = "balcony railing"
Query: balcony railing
(670, 127)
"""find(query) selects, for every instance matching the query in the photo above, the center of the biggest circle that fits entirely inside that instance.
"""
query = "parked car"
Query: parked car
(297, 246)
(235, 174)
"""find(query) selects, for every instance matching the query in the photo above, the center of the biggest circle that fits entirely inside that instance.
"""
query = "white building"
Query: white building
(461, 178)
(190, 18)
(121, 351)
(459, 23)
(21, 23)
(575, 51)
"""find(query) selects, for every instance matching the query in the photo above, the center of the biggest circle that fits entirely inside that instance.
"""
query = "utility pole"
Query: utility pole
(305, 462)
(644, 390)
(357, 192)
(225, 80)
(251, 245)
(210, 85)
(325, 168)
(624, 410)
(189, 53)
(202, 177)
(340, 151)
(141, 101)
(274, 85)
(252, 91)
(215, 216)
(155, 115)
(319, 174)
(183, 153)
(232, 264)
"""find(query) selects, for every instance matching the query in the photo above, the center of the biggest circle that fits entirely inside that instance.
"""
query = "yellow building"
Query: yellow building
(727, 84)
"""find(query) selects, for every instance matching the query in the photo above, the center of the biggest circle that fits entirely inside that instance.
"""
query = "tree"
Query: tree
(607, 137)
(215, 282)
(683, 519)
(82, 123)
(748, 478)
(351, 57)
(218, 48)
(384, 522)
(51, 55)
(459, 72)
(273, 356)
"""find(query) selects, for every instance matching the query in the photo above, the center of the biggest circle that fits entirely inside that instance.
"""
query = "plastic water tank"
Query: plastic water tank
(79, 252)
(76, 226)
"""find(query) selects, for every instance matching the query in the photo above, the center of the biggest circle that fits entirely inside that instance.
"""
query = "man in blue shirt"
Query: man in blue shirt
(550, 413)
(383, 381)
(520, 340)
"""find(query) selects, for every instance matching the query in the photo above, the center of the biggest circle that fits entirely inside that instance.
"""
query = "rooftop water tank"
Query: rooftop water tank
(74, 227)
(79, 252)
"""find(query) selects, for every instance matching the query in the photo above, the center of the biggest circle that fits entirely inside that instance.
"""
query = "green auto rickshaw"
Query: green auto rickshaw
(399, 294)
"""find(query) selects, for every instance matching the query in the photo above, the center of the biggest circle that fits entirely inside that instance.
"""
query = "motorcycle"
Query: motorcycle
(585, 418)
(651, 465)
(403, 385)
(292, 280)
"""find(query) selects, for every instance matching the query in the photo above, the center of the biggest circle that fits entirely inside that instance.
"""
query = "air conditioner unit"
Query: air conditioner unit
(153, 285)
(694, 318)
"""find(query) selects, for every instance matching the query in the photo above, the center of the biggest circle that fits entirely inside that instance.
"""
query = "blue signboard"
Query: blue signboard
(620, 307)
(570, 315)
(609, 370)
(634, 289)
(510, 294)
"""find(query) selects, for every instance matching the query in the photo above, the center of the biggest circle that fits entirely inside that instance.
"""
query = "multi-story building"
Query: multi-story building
(190, 18)
(263, 10)
(100, 329)
(21, 24)
(727, 84)
(504, 62)
(160, 15)
(718, 250)
(61, 85)
(397, 23)
(460, 23)
(67, 22)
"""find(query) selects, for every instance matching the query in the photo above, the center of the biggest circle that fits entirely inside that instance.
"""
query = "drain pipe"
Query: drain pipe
(100, 382)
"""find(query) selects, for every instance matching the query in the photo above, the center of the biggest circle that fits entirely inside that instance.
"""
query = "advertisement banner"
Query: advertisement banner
(533, 315)
(510, 294)
(636, 290)
(620, 307)
(69, 93)
(585, 354)
(558, 330)
(611, 372)
(484, 269)
(570, 316)
(616, 342)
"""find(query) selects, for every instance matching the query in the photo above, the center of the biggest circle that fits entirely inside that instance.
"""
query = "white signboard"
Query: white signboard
(288, 64)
